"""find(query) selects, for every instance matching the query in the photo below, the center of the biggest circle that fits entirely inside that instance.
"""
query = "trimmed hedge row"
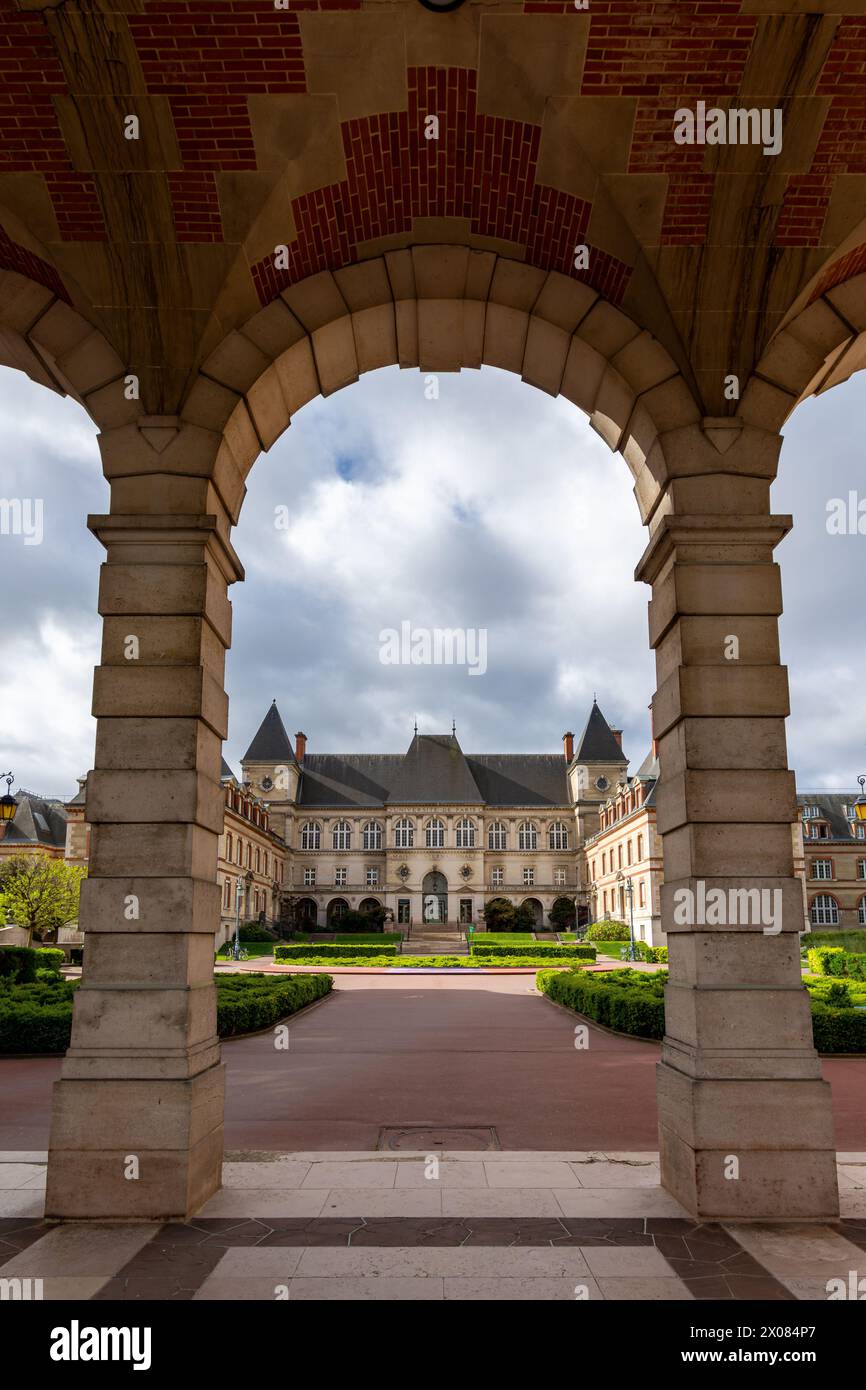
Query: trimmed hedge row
(248, 1002)
(613, 1000)
(534, 948)
(330, 950)
(838, 1030)
(18, 963)
(836, 961)
(464, 962)
(36, 1017)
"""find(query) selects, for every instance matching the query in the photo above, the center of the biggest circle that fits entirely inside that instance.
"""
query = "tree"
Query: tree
(563, 915)
(39, 894)
(499, 915)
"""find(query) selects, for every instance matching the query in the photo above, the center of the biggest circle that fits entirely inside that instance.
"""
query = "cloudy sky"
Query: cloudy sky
(492, 508)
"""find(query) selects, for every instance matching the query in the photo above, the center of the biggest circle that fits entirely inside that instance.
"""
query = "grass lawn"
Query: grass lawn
(252, 948)
(504, 938)
(361, 938)
(854, 940)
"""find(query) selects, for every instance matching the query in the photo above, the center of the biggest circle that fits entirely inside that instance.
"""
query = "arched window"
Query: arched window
(497, 836)
(527, 836)
(825, 911)
(641, 893)
(372, 835)
(604, 862)
(239, 851)
(342, 835)
(258, 861)
(465, 834)
(628, 852)
(434, 834)
(404, 834)
(557, 836)
(227, 893)
(639, 848)
(228, 847)
(311, 835)
(619, 856)
(249, 856)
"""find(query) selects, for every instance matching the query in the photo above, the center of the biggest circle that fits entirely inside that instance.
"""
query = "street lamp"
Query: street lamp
(8, 804)
(860, 803)
(239, 895)
(629, 890)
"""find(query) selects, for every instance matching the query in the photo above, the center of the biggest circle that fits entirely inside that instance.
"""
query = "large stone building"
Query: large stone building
(433, 834)
(252, 859)
(834, 860)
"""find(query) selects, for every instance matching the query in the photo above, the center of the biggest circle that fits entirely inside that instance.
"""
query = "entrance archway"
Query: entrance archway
(336, 911)
(434, 898)
(537, 911)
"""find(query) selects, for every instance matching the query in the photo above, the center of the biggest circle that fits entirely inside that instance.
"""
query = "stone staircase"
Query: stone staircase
(441, 940)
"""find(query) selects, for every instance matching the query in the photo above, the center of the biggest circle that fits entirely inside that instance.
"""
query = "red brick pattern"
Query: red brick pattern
(847, 266)
(19, 259)
(481, 168)
(195, 204)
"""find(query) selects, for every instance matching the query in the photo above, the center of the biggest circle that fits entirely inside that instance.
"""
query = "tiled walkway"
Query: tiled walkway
(476, 1226)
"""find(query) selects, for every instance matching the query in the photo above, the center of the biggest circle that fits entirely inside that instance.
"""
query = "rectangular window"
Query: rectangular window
(403, 910)
(559, 877)
(810, 812)
(340, 878)
(309, 878)
(372, 878)
(861, 868)
(822, 868)
(528, 878)
(497, 878)
(859, 830)
(465, 910)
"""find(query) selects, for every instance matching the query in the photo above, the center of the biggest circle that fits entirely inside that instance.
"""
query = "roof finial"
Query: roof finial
(453, 729)
(416, 724)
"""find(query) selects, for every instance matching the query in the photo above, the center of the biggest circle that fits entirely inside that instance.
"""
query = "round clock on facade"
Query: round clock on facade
(267, 783)
(602, 783)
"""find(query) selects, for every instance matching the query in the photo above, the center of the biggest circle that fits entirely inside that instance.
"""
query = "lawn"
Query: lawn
(854, 941)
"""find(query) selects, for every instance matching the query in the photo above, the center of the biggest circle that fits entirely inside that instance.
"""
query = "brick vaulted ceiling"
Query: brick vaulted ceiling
(304, 126)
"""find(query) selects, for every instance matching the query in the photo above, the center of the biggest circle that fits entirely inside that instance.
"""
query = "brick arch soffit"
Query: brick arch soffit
(440, 309)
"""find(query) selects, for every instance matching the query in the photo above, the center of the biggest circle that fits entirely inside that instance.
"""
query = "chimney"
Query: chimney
(300, 746)
(568, 746)
(617, 733)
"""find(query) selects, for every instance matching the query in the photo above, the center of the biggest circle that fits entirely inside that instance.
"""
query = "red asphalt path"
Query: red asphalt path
(460, 1049)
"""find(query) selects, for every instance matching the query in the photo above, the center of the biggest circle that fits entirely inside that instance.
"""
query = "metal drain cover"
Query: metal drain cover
(429, 1138)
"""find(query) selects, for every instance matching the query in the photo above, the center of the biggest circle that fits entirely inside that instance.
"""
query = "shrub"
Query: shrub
(248, 1002)
(563, 915)
(331, 949)
(36, 1017)
(49, 958)
(827, 960)
(838, 995)
(838, 1029)
(608, 931)
(18, 963)
(630, 1005)
(657, 955)
(539, 949)
(499, 915)
(254, 931)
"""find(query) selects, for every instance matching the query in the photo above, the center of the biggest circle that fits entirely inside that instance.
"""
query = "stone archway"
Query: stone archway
(397, 250)
(434, 898)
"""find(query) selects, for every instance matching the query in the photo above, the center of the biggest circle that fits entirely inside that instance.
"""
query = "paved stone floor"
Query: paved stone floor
(512, 1226)
(449, 1050)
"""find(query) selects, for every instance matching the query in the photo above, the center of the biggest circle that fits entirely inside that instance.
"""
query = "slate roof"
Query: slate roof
(37, 822)
(597, 743)
(271, 743)
(434, 769)
(832, 807)
(226, 773)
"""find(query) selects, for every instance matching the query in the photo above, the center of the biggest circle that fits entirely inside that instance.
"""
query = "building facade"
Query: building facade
(624, 859)
(834, 860)
(433, 834)
(252, 859)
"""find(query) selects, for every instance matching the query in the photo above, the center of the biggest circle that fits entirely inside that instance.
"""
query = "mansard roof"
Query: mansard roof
(832, 808)
(434, 769)
(271, 743)
(597, 743)
(37, 822)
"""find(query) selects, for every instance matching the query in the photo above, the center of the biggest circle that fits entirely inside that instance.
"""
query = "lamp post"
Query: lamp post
(239, 895)
(629, 892)
(8, 804)
(860, 803)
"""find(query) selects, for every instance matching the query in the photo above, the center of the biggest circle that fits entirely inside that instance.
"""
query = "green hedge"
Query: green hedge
(254, 931)
(18, 963)
(330, 950)
(826, 960)
(36, 1017)
(248, 1002)
(541, 949)
(476, 962)
(838, 1030)
(613, 999)
(608, 931)
(49, 958)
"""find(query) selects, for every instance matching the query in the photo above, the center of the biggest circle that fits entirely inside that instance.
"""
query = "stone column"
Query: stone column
(138, 1113)
(745, 1122)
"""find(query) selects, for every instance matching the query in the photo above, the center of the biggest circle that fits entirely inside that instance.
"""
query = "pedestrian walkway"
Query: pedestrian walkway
(456, 1225)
